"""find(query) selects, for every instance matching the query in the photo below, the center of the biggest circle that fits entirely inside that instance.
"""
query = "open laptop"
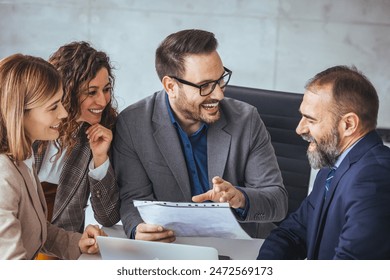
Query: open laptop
(113, 248)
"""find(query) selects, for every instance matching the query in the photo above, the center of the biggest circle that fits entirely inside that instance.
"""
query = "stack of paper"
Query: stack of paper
(192, 219)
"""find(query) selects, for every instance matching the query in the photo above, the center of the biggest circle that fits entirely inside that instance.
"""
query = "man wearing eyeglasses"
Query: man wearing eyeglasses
(187, 143)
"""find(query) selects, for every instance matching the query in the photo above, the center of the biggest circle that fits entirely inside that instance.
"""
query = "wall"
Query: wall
(268, 44)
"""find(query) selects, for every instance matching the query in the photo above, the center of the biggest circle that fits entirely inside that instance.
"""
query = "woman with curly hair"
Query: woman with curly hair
(77, 165)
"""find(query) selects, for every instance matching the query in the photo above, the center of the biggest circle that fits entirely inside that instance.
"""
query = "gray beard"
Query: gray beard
(326, 152)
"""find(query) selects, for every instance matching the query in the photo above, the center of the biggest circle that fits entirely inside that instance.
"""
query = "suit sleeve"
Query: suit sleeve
(61, 243)
(288, 241)
(263, 180)
(105, 199)
(132, 179)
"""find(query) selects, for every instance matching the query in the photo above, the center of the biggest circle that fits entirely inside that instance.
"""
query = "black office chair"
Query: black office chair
(280, 114)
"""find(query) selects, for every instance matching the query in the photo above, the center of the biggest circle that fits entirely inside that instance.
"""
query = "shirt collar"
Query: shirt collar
(344, 154)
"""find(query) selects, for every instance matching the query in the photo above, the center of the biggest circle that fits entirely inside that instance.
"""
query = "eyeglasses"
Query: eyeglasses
(207, 88)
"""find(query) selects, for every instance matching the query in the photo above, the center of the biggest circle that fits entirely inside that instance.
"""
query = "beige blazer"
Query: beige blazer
(24, 230)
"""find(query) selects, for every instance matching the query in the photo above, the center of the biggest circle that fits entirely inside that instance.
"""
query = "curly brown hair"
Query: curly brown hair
(78, 63)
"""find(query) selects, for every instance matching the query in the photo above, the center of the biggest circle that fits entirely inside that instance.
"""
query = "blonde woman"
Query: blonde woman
(31, 110)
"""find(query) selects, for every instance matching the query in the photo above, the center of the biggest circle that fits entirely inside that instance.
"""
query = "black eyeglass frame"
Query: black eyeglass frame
(200, 87)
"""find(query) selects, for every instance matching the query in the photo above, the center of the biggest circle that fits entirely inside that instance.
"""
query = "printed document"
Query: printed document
(192, 219)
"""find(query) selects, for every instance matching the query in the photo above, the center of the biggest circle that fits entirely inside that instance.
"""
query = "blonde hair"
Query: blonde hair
(26, 82)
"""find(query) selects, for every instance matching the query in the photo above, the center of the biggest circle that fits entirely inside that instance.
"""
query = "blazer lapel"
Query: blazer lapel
(168, 142)
(318, 202)
(334, 183)
(41, 195)
(36, 195)
(218, 146)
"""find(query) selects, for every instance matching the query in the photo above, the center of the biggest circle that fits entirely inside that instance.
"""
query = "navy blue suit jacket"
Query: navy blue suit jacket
(354, 220)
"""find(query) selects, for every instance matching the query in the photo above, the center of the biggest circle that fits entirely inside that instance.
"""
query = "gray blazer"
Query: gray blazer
(75, 186)
(24, 231)
(150, 165)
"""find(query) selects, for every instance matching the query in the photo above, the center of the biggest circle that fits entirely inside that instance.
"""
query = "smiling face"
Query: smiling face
(42, 122)
(190, 108)
(319, 127)
(96, 99)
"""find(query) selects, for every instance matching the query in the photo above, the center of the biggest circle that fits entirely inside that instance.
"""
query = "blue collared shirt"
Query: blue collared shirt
(195, 152)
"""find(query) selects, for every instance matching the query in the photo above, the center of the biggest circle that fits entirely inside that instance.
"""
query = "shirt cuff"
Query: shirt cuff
(133, 231)
(98, 173)
(243, 212)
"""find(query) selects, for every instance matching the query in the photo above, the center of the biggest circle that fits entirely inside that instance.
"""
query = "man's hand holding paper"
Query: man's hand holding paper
(149, 232)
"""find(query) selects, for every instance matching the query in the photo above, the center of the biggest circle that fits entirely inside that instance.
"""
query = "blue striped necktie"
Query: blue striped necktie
(328, 181)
